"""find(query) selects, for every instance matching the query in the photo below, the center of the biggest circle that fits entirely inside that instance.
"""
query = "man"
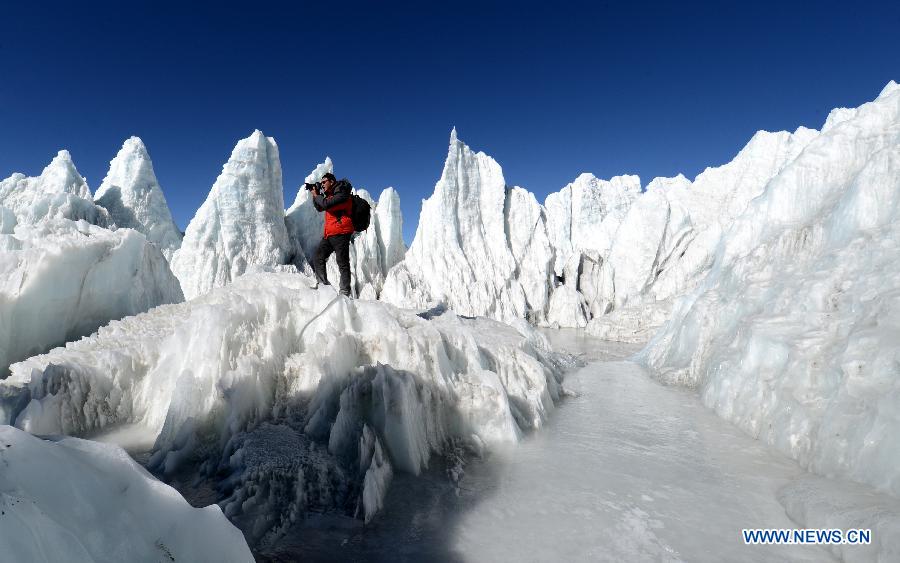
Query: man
(333, 197)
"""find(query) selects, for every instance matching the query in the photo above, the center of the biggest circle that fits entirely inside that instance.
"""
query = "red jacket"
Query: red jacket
(337, 205)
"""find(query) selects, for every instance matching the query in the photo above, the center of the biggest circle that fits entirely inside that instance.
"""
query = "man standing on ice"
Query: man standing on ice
(333, 197)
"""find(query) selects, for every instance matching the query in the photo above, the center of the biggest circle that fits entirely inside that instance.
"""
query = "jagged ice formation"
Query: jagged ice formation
(276, 384)
(59, 192)
(61, 280)
(134, 199)
(241, 223)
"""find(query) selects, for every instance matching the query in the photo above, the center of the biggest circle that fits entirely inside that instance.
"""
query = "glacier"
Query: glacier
(767, 284)
(134, 199)
(303, 399)
(791, 336)
(81, 501)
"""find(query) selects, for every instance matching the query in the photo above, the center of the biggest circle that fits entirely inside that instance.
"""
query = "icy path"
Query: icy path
(629, 470)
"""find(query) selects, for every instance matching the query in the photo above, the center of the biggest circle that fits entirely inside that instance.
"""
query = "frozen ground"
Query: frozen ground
(629, 470)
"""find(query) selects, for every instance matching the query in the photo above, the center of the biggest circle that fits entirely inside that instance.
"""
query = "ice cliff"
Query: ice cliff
(302, 399)
(792, 335)
(241, 223)
(134, 199)
(80, 501)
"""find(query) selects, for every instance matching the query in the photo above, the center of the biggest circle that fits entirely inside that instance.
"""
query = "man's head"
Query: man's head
(328, 181)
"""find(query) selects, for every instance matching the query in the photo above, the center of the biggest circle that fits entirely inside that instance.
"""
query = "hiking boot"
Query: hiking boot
(346, 294)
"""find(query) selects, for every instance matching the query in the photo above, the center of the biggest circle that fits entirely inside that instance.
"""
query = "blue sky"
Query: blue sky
(548, 89)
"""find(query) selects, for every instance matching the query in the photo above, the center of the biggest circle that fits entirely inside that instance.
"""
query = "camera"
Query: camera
(315, 186)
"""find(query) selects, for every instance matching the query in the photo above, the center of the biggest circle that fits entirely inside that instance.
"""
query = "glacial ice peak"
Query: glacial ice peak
(132, 195)
(135, 145)
(241, 224)
(889, 89)
(320, 170)
(61, 176)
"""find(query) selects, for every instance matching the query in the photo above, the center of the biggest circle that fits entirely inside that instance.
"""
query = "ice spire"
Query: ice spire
(59, 192)
(61, 176)
(241, 223)
(134, 198)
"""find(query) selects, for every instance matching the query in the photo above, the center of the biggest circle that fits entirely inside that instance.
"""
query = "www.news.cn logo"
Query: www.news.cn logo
(812, 536)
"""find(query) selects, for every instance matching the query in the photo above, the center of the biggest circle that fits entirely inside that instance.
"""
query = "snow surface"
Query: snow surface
(240, 225)
(61, 280)
(134, 198)
(275, 384)
(793, 334)
(80, 501)
(59, 192)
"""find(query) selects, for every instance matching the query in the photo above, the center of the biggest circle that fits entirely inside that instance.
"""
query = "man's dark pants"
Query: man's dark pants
(340, 245)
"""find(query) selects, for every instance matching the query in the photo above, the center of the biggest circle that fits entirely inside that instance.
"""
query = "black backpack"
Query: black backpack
(360, 213)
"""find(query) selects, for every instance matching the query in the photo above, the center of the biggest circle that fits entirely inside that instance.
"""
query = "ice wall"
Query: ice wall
(80, 501)
(134, 199)
(240, 225)
(61, 280)
(275, 384)
(792, 335)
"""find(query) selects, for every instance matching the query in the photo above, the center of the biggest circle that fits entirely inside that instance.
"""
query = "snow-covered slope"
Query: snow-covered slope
(464, 254)
(305, 399)
(60, 280)
(59, 192)
(793, 334)
(80, 501)
(241, 223)
(134, 199)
